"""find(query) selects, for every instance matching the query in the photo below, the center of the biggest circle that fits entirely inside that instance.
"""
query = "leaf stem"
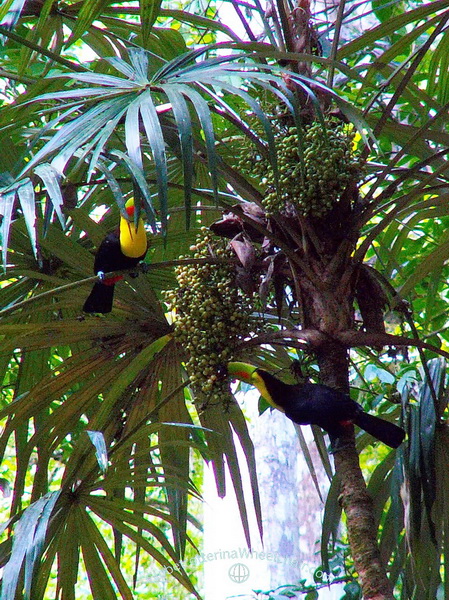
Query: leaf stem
(58, 59)
(335, 42)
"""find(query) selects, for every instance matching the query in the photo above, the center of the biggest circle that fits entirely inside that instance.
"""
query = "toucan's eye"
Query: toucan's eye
(222, 371)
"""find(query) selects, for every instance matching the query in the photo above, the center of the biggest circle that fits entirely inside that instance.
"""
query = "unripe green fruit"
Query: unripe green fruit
(315, 183)
(212, 315)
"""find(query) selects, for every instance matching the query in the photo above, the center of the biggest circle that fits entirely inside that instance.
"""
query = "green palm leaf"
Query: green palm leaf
(28, 545)
(131, 118)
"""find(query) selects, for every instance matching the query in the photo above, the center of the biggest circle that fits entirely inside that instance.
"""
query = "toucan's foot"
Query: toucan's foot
(101, 275)
(134, 275)
(338, 443)
(144, 267)
(334, 449)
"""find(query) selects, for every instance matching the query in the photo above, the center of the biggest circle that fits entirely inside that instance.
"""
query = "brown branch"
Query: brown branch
(40, 50)
(336, 42)
(352, 339)
(349, 339)
(313, 337)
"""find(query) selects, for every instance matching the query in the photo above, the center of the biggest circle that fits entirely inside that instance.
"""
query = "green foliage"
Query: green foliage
(90, 117)
(103, 100)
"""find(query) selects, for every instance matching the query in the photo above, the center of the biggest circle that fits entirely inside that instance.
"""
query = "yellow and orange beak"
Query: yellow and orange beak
(252, 375)
(242, 371)
(133, 240)
(129, 208)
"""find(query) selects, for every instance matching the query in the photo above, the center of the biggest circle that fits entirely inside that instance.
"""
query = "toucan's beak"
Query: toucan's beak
(242, 371)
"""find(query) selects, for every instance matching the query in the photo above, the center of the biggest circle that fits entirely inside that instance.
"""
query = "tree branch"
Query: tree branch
(352, 339)
(348, 338)
(142, 268)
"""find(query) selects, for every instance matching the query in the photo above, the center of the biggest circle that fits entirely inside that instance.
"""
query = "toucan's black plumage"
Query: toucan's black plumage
(109, 258)
(316, 404)
(121, 249)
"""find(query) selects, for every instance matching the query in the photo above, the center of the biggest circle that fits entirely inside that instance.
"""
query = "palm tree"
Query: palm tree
(104, 101)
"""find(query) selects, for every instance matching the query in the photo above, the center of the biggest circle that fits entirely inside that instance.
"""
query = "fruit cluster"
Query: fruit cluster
(212, 315)
(314, 185)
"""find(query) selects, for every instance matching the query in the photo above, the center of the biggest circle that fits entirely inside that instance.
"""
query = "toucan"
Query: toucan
(120, 249)
(316, 404)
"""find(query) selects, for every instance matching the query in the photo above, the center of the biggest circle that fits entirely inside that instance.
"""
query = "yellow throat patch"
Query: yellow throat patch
(259, 383)
(133, 241)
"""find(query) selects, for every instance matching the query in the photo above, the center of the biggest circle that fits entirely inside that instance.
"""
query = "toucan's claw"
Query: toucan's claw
(142, 268)
(101, 275)
(333, 450)
(338, 444)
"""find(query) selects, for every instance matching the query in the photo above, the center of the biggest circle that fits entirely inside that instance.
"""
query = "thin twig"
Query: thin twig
(335, 42)
(142, 268)
(40, 50)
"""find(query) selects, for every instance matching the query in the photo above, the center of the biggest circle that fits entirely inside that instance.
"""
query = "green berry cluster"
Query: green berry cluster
(315, 186)
(212, 315)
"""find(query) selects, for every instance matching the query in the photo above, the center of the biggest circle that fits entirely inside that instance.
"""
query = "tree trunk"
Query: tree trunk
(354, 498)
(329, 308)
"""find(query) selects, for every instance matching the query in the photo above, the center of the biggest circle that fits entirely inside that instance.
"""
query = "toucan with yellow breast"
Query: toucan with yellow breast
(317, 404)
(120, 249)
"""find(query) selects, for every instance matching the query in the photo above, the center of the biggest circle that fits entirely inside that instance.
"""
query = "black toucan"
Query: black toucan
(121, 249)
(316, 404)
